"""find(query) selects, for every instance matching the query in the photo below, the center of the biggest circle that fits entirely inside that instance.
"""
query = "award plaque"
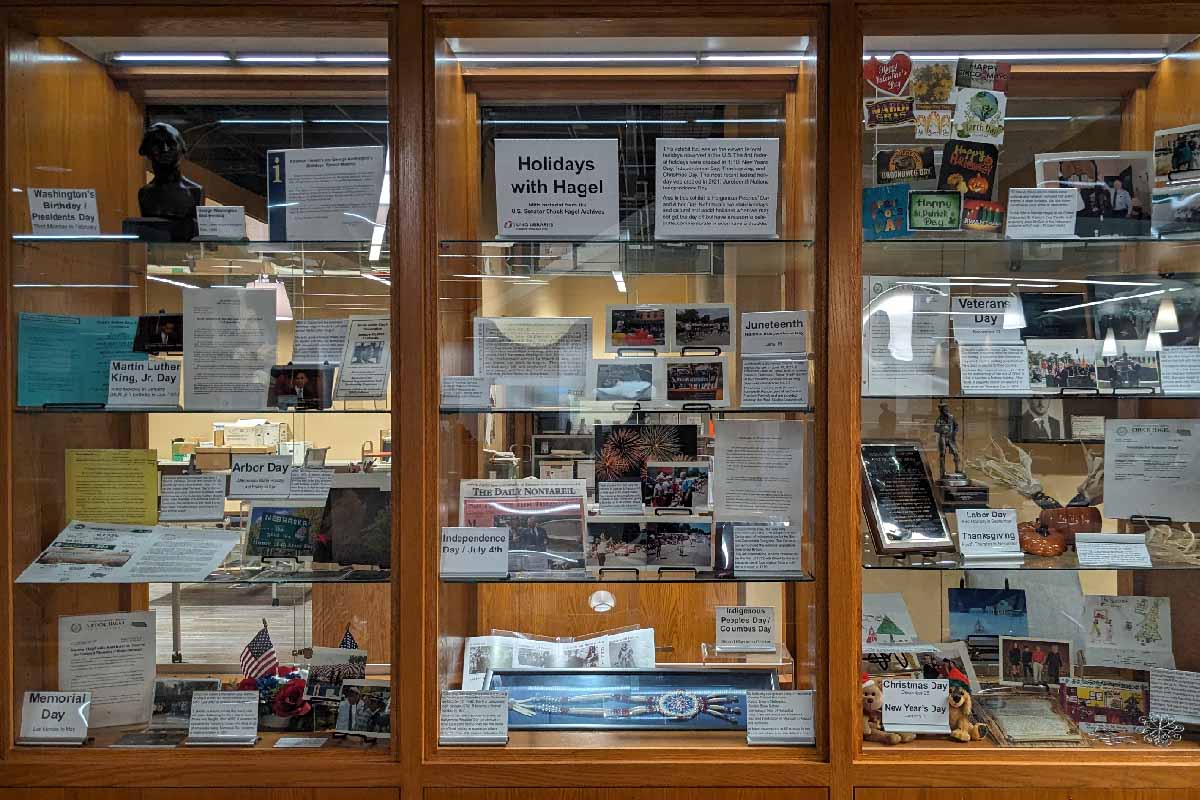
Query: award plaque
(898, 499)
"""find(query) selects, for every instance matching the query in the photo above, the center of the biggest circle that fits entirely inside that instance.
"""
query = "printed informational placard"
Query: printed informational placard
(533, 351)
(63, 212)
(759, 470)
(1035, 213)
(1112, 550)
(746, 629)
(765, 549)
(229, 338)
(324, 194)
(118, 486)
(111, 656)
(55, 718)
(64, 360)
(1128, 632)
(473, 718)
(768, 382)
(1176, 693)
(221, 222)
(556, 188)
(934, 211)
(260, 476)
(309, 482)
(780, 718)
(716, 188)
(152, 383)
(366, 360)
(916, 706)
(474, 553)
(466, 391)
(992, 369)
(1152, 468)
(774, 333)
(1180, 369)
(308, 742)
(908, 322)
(192, 498)
(223, 718)
(319, 341)
(988, 533)
(619, 497)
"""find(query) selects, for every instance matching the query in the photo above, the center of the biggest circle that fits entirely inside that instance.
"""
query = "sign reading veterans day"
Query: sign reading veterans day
(904, 164)
(556, 188)
(63, 212)
(324, 194)
(715, 187)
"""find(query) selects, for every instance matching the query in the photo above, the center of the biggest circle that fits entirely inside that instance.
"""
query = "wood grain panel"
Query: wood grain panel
(626, 794)
(1013, 793)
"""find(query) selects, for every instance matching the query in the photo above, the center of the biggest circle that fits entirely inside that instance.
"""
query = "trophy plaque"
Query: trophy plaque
(898, 499)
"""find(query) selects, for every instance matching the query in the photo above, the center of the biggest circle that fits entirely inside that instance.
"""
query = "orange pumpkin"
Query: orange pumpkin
(1039, 540)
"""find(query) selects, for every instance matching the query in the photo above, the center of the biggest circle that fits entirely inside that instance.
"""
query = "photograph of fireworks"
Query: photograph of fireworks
(622, 451)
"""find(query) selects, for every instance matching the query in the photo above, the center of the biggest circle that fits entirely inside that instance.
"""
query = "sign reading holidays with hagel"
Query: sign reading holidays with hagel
(556, 188)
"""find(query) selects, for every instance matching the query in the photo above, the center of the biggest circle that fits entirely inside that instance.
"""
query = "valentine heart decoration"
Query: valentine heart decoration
(889, 76)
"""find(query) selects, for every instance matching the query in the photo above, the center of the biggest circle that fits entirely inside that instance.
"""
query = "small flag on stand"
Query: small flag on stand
(348, 640)
(258, 657)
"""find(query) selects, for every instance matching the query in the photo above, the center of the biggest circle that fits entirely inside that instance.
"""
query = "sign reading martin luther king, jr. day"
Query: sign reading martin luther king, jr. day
(547, 188)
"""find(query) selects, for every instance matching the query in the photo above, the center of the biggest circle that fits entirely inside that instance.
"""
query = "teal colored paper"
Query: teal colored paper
(65, 359)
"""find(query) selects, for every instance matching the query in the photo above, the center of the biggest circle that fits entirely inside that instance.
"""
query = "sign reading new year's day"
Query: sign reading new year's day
(556, 188)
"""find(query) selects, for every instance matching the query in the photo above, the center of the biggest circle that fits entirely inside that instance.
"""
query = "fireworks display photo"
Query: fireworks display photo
(622, 451)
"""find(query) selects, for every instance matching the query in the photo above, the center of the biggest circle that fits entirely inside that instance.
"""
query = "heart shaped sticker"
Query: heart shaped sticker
(889, 76)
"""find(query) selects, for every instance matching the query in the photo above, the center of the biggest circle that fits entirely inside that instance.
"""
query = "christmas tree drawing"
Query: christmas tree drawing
(1148, 631)
(890, 628)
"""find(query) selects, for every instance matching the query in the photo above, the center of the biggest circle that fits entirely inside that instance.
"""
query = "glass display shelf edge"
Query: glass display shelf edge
(456, 410)
(627, 576)
(34, 410)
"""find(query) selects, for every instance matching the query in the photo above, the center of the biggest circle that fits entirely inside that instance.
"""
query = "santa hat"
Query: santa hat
(958, 679)
(867, 680)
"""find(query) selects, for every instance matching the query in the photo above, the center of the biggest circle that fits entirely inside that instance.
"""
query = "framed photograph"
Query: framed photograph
(697, 379)
(1177, 154)
(329, 668)
(987, 612)
(1034, 662)
(159, 333)
(949, 655)
(1057, 365)
(631, 699)
(898, 500)
(544, 518)
(283, 529)
(628, 380)
(677, 484)
(1114, 189)
(300, 387)
(357, 525)
(365, 709)
(172, 707)
(635, 326)
(703, 325)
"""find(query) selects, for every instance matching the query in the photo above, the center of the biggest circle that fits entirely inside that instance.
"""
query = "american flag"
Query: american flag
(258, 657)
(348, 641)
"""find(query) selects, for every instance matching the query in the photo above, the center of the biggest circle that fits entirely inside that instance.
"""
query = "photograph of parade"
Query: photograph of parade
(616, 543)
(1057, 364)
(676, 485)
(694, 380)
(701, 326)
(679, 544)
(637, 326)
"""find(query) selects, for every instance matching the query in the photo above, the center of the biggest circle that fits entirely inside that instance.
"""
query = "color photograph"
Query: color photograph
(366, 709)
(696, 380)
(1058, 364)
(679, 544)
(616, 543)
(1114, 189)
(1034, 662)
(987, 612)
(636, 326)
(677, 485)
(701, 326)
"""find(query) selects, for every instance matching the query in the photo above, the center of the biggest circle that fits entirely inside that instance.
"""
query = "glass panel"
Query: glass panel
(240, 310)
(608, 221)
(1028, 339)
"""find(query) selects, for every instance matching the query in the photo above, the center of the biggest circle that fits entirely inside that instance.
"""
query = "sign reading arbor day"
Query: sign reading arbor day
(716, 188)
(556, 188)
(63, 212)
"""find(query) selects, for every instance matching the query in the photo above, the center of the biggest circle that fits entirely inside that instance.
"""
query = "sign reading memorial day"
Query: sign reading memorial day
(63, 212)
(716, 188)
(550, 188)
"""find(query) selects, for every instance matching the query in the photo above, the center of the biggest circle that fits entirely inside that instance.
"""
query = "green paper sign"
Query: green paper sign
(934, 211)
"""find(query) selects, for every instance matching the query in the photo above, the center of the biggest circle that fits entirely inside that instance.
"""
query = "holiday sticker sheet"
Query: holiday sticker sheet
(1130, 632)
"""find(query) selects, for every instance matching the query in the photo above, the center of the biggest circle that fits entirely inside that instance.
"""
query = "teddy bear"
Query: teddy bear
(962, 729)
(872, 706)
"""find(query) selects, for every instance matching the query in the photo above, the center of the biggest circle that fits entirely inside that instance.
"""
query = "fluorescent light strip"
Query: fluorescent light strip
(1112, 300)
(352, 59)
(275, 58)
(349, 121)
(1039, 119)
(1048, 55)
(48, 237)
(794, 58)
(180, 284)
(598, 58)
(764, 119)
(585, 122)
(261, 121)
(176, 57)
(73, 286)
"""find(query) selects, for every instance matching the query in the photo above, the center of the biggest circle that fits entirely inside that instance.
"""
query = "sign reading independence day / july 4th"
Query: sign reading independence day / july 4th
(556, 188)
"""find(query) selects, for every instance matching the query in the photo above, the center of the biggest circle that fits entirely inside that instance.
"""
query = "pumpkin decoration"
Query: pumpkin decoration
(1039, 540)
(1072, 520)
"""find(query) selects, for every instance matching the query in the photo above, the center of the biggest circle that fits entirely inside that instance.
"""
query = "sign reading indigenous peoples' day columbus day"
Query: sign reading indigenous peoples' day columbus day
(556, 188)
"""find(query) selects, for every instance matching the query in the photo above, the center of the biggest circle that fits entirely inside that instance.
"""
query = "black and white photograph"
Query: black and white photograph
(1041, 420)
(532, 657)
(643, 326)
(679, 544)
(1034, 662)
(582, 655)
(1138, 304)
(482, 657)
(329, 667)
(173, 701)
(623, 379)
(1062, 364)
(1131, 369)
(701, 326)
(676, 484)
(618, 542)
(365, 709)
(1114, 189)
(697, 380)
(1059, 419)
(622, 654)
(1045, 319)
(159, 333)
(367, 353)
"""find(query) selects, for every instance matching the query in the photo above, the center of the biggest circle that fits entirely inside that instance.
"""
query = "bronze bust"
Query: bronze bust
(169, 196)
